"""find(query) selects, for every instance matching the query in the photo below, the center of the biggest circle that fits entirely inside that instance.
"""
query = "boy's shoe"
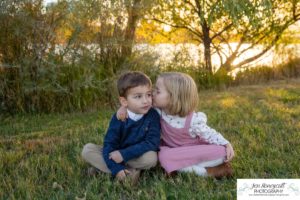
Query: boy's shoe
(92, 171)
(220, 171)
(133, 175)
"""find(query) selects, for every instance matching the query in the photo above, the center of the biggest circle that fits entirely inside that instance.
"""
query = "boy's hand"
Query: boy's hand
(229, 152)
(122, 113)
(116, 156)
(122, 174)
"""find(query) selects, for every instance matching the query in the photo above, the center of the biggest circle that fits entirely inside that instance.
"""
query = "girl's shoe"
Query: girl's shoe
(171, 174)
(220, 171)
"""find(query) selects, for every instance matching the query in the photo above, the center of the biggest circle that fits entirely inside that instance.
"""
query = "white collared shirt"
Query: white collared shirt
(134, 116)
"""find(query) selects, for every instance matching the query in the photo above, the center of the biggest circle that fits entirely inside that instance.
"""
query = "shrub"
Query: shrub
(263, 74)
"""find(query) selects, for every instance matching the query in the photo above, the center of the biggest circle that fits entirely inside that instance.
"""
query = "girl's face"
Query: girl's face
(161, 96)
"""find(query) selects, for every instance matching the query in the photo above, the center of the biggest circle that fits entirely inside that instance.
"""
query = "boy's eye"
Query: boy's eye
(149, 95)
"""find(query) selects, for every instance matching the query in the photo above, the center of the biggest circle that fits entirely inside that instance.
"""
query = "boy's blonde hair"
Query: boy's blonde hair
(183, 93)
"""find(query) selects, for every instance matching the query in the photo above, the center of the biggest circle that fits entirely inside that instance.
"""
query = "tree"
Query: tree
(26, 35)
(70, 50)
(215, 23)
(109, 26)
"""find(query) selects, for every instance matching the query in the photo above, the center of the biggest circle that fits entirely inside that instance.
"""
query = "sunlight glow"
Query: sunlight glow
(48, 2)
(167, 28)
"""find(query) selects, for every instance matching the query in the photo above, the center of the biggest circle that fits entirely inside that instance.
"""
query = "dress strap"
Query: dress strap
(188, 120)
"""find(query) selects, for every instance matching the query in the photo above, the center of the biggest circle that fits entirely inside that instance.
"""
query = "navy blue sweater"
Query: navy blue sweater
(131, 138)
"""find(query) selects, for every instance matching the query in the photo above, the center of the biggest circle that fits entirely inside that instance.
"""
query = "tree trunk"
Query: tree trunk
(133, 16)
(207, 51)
(227, 66)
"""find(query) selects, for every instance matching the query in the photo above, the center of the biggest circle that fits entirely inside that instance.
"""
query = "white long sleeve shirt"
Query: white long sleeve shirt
(198, 127)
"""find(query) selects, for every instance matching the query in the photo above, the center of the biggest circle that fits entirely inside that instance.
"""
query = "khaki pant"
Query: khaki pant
(92, 154)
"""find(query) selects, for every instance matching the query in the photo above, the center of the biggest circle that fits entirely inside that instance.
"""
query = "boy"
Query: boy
(130, 145)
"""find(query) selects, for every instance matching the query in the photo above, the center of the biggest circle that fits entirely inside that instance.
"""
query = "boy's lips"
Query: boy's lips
(146, 107)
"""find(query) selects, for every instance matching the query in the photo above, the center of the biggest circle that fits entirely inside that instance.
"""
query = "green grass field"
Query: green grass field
(40, 154)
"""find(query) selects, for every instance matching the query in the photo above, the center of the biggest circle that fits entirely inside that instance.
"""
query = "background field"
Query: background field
(40, 154)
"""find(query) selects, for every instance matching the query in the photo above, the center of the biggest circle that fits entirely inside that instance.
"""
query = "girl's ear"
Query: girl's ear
(123, 101)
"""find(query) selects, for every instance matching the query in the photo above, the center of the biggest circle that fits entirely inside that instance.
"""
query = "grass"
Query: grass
(40, 154)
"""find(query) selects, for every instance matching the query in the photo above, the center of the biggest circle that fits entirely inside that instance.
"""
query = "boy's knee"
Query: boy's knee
(150, 158)
(86, 150)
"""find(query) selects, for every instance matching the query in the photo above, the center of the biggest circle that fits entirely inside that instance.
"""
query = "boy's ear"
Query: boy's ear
(123, 101)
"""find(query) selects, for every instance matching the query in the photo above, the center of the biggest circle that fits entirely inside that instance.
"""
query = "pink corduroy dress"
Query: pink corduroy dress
(178, 149)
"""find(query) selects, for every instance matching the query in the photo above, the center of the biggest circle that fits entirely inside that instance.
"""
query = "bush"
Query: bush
(289, 70)
(263, 74)
(203, 78)
(59, 87)
(50, 63)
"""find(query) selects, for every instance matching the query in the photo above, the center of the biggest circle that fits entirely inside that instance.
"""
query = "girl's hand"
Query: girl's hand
(122, 113)
(229, 152)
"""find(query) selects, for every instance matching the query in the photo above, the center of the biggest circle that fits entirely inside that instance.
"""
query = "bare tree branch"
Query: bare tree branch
(222, 31)
(248, 60)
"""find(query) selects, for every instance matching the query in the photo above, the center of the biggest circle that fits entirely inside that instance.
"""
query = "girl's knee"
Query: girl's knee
(162, 154)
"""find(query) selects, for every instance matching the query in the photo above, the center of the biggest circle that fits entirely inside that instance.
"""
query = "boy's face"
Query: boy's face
(138, 100)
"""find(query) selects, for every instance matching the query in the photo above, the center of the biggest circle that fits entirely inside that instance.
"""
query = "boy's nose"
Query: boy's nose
(147, 99)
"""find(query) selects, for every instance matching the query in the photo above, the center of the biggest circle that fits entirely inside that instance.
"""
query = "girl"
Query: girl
(188, 144)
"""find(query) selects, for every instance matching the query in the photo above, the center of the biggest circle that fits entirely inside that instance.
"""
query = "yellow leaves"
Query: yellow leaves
(228, 102)
(155, 33)
(46, 144)
(38, 145)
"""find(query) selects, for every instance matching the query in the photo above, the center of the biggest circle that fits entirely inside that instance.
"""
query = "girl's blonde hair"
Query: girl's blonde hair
(183, 93)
